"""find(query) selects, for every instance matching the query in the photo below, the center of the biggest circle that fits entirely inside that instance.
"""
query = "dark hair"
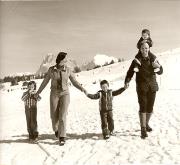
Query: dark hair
(32, 82)
(104, 82)
(60, 57)
(146, 31)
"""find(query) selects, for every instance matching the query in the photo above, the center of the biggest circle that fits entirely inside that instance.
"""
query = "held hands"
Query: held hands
(36, 95)
(126, 85)
(32, 92)
(85, 92)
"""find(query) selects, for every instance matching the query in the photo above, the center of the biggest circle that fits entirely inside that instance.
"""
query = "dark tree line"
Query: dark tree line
(15, 79)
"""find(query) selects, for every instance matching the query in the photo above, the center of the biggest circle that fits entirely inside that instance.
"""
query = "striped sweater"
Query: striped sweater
(29, 99)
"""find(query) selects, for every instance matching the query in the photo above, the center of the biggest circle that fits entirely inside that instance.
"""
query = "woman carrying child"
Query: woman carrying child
(146, 85)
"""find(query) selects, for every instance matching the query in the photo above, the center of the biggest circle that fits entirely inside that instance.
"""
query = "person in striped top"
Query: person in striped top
(30, 103)
(105, 97)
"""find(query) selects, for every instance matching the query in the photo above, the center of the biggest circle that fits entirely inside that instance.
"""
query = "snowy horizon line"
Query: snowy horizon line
(26, 73)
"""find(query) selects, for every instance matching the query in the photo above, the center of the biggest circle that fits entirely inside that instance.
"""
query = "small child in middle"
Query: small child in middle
(105, 97)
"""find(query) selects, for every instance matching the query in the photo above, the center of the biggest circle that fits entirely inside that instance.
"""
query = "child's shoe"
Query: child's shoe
(35, 140)
(112, 133)
(106, 136)
(61, 141)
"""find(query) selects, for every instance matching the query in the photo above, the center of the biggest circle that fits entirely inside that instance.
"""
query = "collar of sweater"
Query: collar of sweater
(61, 68)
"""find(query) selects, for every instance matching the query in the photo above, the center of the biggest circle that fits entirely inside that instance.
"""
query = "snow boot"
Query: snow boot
(56, 133)
(142, 118)
(61, 141)
(148, 116)
(106, 133)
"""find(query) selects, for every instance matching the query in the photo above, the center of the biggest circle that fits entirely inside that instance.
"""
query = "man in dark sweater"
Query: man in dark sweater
(146, 86)
(105, 97)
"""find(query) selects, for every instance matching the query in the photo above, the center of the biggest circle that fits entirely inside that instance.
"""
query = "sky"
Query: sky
(29, 30)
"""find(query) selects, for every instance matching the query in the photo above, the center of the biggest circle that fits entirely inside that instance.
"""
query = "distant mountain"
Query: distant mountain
(50, 60)
(99, 60)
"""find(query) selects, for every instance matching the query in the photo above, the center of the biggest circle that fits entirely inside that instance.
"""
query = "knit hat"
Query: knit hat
(60, 57)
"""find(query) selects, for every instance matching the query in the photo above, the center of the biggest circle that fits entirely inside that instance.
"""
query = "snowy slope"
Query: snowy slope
(85, 145)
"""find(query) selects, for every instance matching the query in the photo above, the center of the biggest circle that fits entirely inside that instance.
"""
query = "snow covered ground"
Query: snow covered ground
(85, 145)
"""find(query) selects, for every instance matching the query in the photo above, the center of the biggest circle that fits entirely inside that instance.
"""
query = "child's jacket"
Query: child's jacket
(149, 41)
(105, 98)
(29, 99)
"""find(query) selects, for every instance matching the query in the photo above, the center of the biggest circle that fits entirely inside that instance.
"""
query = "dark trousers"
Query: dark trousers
(107, 122)
(31, 119)
(146, 101)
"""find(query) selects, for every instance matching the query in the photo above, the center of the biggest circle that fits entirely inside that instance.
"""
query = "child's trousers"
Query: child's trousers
(31, 119)
(107, 122)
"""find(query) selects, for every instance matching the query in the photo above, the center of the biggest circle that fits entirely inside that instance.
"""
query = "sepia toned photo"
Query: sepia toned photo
(89, 82)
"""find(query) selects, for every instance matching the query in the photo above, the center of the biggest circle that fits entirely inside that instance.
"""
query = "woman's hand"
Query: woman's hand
(126, 85)
(36, 95)
(85, 92)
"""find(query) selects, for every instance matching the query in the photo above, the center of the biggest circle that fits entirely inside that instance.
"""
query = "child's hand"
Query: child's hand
(32, 91)
(156, 64)
(126, 85)
(36, 95)
(85, 92)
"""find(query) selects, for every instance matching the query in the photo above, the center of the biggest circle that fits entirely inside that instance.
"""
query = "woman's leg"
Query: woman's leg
(54, 111)
(150, 105)
(151, 99)
(142, 99)
(63, 108)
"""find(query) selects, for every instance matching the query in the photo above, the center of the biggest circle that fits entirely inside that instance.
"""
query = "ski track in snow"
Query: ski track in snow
(85, 145)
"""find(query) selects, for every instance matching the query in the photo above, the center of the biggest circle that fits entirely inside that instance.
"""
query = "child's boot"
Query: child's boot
(61, 141)
(105, 133)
